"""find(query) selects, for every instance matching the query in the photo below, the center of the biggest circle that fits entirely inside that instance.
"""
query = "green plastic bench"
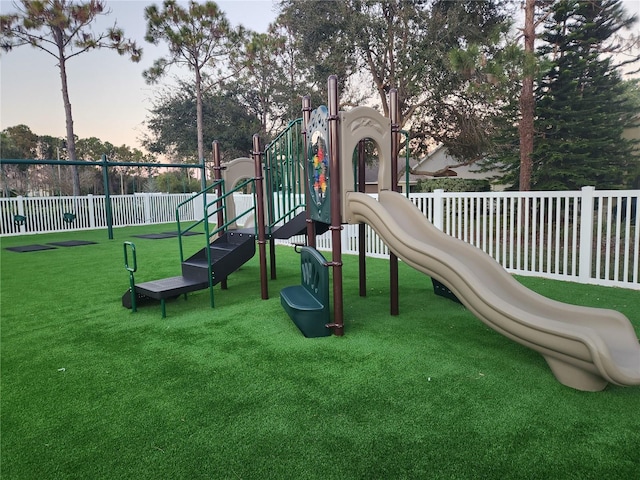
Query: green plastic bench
(308, 304)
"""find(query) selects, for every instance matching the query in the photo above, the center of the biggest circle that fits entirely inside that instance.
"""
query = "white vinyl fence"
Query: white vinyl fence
(587, 236)
(46, 214)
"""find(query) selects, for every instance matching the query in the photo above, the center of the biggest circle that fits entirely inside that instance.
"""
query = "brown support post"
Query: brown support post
(362, 228)
(262, 247)
(393, 259)
(336, 217)
(306, 115)
(217, 175)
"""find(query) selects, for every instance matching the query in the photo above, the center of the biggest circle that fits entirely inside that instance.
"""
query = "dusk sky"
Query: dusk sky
(109, 97)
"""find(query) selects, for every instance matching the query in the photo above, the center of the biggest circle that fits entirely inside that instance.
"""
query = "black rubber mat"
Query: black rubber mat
(185, 234)
(155, 236)
(30, 248)
(71, 243)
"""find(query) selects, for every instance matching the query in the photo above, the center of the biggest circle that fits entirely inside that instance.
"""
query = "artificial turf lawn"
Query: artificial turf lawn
(92, 391)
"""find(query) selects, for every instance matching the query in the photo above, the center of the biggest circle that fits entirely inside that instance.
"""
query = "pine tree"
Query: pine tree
(63, 29)
(582, 105)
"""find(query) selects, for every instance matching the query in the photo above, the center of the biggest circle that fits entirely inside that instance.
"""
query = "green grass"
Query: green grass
(92, 391)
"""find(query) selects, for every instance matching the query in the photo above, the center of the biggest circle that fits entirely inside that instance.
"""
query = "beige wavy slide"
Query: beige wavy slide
(585, 347)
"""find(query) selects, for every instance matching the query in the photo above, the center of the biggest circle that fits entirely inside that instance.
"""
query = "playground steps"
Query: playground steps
(166, 288)
(228, 253)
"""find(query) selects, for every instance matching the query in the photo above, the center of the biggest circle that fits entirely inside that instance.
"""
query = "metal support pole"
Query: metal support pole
(270, 172)
(336, 220)
(217, 176)
(107, 197)
(306, 115)
(203, 175)
(262, 247)
(393, 259)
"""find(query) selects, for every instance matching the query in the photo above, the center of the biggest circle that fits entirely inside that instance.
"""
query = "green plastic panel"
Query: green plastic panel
(319, 175)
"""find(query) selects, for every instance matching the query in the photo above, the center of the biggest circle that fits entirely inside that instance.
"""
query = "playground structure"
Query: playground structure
(227, 245)
(586, 348)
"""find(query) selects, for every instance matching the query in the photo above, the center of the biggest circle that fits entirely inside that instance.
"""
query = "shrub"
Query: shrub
(453, 185)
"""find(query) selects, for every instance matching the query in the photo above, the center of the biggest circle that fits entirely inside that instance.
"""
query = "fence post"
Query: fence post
(147, 207)
(586, 234)
(438, 209)
(344, 239)
(91, 210)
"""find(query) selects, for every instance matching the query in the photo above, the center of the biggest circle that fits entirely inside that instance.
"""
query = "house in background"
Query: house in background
(439, 164)
(371, 176)
(634, 134)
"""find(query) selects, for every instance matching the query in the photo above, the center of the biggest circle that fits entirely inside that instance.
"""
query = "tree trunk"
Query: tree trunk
(5, 184)
(527, 100)
(199, 127)
(71, 141)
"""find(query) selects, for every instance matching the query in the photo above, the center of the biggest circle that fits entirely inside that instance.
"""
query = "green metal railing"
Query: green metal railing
(220, 204)
(407, 167)
(205, 217)
(284, 174)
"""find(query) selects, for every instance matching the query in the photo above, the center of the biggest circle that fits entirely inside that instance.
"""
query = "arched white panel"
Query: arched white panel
(356, 125)
(233, 173)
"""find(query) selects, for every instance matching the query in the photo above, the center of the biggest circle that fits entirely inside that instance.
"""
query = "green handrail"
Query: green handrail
(407, 136)
(191, 199)
(284, 166)
(220, 228)
(220, 201)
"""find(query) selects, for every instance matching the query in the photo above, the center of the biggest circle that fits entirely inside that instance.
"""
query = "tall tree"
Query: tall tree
(171, 123)
(24, 141)
(258, 79)
(322, 35)
(527, 99)
(21, 143)
(272, 74)
(583, 104)
(405, 45)
(55, 177)
(62, 29)
(199, 38)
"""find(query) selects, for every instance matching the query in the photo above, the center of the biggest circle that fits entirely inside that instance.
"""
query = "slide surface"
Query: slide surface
(585, 347)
